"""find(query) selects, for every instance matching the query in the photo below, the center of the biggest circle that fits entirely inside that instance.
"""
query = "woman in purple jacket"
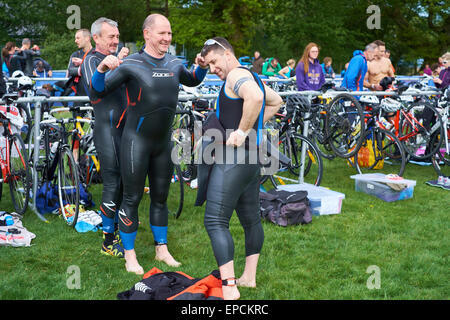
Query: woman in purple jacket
(309, 72)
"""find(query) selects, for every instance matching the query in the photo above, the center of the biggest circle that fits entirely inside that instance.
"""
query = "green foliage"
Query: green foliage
(57, 49)
(412, 29)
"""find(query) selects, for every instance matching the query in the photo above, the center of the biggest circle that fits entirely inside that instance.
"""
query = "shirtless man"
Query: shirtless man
(378, 68)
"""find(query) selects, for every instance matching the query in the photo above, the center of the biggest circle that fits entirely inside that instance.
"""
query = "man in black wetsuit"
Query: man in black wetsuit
(107, 130)
(243, 105)
(83, 41)
(152, 78)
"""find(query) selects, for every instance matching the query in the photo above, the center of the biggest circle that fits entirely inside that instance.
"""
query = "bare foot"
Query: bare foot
(131, 264)
(242, 282)
(230, 293)
(163, 254)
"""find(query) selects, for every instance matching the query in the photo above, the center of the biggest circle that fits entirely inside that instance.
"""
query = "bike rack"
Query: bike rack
(38, 100)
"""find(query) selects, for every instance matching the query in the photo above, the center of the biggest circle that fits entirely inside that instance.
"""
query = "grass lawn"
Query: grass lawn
(407, 240)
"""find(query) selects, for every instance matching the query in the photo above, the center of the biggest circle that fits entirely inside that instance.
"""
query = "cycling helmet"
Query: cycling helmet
(390, 105)
(298, 100)
(87, 144)
(24, 83)
(17, 74)
(369, 99)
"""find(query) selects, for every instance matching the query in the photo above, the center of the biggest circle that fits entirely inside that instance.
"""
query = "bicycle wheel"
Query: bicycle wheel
(175, 198)
(310, 165)
(441, 160)
(25, 131)
(345, 125)
(68, 186)
(389, 157)
(182, 136)
(422, 130)
(19, 176)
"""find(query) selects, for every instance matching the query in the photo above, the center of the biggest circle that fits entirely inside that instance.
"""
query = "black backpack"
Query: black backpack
(285, 208)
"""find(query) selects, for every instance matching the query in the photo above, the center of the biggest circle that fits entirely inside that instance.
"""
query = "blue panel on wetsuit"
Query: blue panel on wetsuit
(139, 124)
(128, 239)
(98, 81)
(159, 234)
(108, 224)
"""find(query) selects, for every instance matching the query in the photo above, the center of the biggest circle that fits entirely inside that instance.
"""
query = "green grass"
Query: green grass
(327, 259)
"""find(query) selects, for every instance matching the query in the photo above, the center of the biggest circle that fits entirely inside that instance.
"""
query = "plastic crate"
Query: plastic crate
(375, 185)
(322, 200)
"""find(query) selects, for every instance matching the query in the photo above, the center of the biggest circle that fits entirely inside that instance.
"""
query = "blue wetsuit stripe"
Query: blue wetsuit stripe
(98, 81)
(200, 73)
(139, 124)
(128, 239)
(159, 234)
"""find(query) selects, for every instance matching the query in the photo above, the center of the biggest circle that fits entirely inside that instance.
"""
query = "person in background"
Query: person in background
(327, 69)
(444, 76)
(344, 70)
(271, 67)
(379, 68)
(357, 68)
(257, 63)
(309, 73)
(28, 56)
(42, 69)
(288, 71)
(7, 53)
(427, 70)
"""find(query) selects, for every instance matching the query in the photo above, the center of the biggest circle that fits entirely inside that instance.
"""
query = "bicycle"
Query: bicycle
(14, 161)
(387, 151)
(57, 165)
(305, 159)
(441, 160)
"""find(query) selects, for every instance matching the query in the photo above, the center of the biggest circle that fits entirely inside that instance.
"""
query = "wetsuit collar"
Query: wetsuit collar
(146, 53)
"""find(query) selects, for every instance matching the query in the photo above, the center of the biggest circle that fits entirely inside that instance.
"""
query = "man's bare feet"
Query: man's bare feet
(163, 254)
(131, 263)
(230, 293)
(248, 283)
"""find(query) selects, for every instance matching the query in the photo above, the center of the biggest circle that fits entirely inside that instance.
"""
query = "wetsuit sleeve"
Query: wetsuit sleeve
(194, 78)
(104, 83)
(71, 68)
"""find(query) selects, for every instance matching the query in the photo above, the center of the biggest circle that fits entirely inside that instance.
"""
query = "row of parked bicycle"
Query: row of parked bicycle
(370, 132)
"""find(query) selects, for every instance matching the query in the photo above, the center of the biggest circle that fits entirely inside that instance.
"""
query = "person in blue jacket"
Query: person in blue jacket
(357, 68)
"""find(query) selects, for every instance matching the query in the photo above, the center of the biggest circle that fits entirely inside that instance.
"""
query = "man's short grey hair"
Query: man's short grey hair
(96, 27)
(370, 47)
(26, 41)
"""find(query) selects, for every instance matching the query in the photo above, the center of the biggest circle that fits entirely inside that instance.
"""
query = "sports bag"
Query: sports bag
(285, 208)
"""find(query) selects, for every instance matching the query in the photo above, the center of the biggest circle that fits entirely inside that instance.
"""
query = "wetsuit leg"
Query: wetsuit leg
(159, 176)
(247, 210)
(228, 187)
(134, 162)
(107, 145)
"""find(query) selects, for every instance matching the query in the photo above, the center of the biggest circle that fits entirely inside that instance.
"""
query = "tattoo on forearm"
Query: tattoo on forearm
(239, 83)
